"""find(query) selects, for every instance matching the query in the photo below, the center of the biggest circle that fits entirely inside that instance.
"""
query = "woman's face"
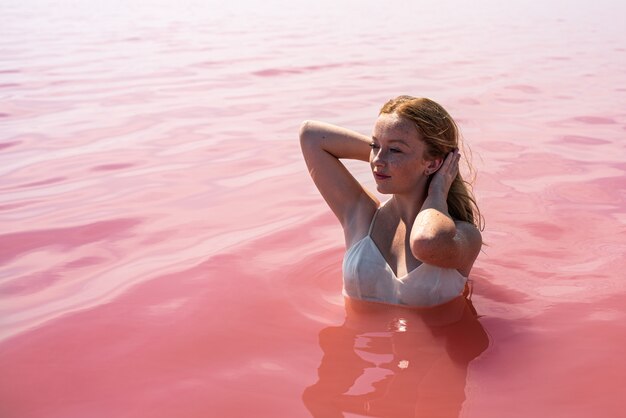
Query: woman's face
(397, 156)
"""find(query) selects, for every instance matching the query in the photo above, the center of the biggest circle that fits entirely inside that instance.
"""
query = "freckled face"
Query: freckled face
(397, 156)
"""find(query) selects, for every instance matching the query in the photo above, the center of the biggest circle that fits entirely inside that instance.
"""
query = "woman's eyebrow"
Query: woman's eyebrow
(402, 141)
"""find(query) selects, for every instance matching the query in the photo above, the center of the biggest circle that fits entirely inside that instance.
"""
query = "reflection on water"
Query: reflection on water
(388, 361)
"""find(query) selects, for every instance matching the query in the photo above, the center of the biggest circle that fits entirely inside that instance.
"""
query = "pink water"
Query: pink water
(163, 252)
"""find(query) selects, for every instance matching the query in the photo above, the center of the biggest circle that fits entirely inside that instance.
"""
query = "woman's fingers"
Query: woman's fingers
(444, 177)
(451, 162)
(447, 162)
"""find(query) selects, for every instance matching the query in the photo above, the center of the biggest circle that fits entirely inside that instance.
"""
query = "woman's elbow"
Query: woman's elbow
(307, 142)
(307, 129)
(423, 247)
(428, 246)
(312, 137)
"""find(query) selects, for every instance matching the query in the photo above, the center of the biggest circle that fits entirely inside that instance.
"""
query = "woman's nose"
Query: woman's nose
(378, 157)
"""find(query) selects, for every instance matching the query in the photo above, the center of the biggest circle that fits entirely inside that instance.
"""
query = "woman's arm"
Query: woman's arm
(322, 146)
(435, 237)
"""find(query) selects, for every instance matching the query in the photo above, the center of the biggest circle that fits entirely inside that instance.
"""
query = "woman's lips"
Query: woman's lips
(379, 176)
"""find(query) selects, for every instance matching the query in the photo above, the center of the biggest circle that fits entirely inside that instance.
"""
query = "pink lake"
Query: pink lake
(164, 253)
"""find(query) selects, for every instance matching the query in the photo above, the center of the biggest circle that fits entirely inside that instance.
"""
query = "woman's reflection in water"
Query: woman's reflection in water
(390, 361)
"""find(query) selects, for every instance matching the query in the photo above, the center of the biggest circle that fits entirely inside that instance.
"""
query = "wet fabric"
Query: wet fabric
(368, 276)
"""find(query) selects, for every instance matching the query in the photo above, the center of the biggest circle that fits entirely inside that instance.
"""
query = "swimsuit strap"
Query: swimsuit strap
(372, 223)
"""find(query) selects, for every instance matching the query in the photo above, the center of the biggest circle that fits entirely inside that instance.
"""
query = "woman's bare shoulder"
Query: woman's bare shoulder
(470, 241)
(469, 230)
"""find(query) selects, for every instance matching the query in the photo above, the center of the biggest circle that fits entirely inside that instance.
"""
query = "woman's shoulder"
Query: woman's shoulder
(470, 239)
(469, 232)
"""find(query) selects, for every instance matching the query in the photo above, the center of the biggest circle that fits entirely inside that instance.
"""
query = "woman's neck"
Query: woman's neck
(407, 206)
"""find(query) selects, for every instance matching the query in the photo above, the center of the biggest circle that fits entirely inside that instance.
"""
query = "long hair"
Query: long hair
(441, 135)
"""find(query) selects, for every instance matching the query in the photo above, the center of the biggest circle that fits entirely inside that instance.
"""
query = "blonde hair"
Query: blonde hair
(441, 135)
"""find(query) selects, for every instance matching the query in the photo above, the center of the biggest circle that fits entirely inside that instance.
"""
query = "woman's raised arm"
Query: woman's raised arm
(438, 239)
(323, 145)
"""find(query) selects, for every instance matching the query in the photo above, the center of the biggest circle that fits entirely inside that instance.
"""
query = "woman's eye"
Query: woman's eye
(374, 146)
(394, 150)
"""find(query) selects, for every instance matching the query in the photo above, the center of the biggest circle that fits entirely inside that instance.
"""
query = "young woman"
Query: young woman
(418, 247)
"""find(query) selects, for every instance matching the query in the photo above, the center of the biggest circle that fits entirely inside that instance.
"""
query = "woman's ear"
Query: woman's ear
(433, 165)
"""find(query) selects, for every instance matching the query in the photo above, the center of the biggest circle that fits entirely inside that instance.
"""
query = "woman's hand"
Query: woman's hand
(442, 179)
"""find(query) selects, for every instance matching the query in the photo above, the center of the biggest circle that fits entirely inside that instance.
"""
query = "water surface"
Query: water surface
(163, 251)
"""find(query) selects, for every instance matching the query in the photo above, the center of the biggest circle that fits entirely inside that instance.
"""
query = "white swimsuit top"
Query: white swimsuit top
(368, 276)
